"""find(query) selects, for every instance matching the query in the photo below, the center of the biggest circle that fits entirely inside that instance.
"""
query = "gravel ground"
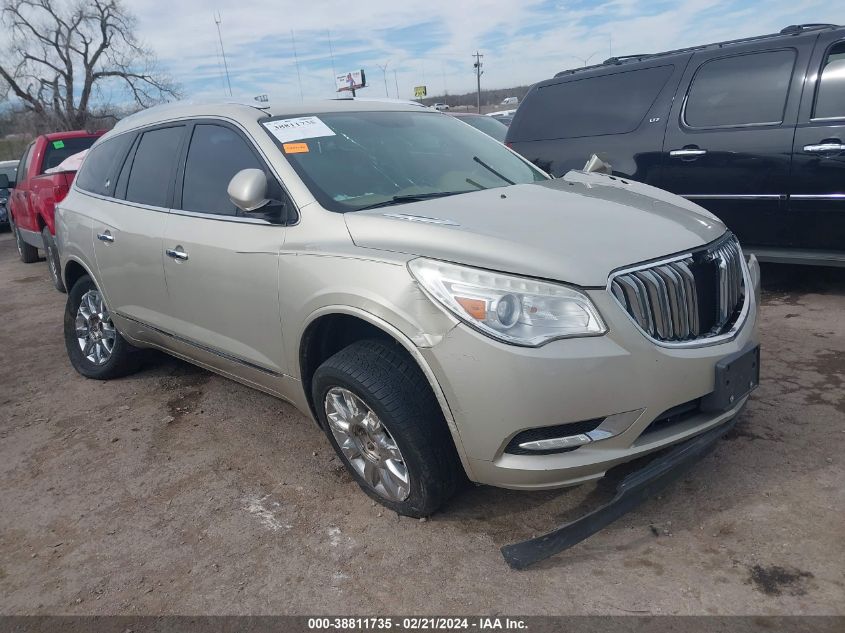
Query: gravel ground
(176, 491)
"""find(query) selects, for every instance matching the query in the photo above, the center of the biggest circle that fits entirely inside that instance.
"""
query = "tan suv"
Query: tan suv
(442, 308)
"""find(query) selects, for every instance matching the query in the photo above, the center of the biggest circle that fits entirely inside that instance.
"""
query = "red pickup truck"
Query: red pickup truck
(35, 194)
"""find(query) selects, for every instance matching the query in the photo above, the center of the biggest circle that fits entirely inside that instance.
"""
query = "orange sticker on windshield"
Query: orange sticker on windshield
(295, 148)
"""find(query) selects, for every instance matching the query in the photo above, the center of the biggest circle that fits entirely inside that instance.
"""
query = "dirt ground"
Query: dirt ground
(176, 491)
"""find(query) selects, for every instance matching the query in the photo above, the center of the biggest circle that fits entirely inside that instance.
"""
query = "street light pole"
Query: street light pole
(384, 74)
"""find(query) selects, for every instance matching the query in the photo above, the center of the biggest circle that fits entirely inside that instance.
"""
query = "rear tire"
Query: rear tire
(94, 346)
(394, 425)
(27, 252)
(52, 254)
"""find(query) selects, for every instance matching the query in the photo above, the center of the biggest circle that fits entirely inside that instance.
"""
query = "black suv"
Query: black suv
(752, 129)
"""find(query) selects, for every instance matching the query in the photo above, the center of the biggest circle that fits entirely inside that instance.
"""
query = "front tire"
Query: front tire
(53, 264)
(386, 426)
(27, 252)
(94, 346)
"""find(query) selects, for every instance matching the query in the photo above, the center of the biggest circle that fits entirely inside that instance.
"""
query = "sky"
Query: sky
(431, 42)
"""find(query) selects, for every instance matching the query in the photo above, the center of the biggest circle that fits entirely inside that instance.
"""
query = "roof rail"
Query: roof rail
(794, 29)
(623, 58)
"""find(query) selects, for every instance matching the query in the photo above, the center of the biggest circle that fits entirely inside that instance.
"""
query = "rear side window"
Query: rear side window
(741, 90)
(216, 154)
(97, 172)
(154, 166)
(592, 106)
(830, 99)
(57, 151)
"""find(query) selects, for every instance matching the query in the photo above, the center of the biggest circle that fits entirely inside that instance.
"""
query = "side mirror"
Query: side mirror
(248, 190)
(598, 166)
(4, 182)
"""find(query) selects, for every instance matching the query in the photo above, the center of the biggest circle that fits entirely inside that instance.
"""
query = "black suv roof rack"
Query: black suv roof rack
(793, 29)
(624, 58)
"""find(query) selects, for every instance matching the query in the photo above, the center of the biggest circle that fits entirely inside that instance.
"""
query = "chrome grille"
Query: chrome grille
(687, 298)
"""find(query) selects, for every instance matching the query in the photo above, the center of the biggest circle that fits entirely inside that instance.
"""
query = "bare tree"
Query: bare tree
(62, 57)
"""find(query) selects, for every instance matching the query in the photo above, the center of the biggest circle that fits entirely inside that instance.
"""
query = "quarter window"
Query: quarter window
(830, 101)
(592, 106)
(216, 154)
(153, 166)
(97, 171)
(740, 90)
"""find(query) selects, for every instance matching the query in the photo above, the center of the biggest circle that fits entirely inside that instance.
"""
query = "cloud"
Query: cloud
(431, 41)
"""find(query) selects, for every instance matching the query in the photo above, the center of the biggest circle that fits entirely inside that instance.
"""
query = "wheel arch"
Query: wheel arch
(72, 271)
(349, 324)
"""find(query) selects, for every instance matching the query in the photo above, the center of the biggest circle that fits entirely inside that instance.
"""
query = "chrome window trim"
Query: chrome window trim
(196, 214)
(732, 196)
(223, 218)
(818, 196)
(702, 342)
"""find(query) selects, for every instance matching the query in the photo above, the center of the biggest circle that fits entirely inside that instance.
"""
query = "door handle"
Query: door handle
(105, 237)
(825, 148)
(176, 253)
(687, 152)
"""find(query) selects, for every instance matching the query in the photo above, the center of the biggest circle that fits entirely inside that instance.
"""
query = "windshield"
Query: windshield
(488, 125)
(355, 160)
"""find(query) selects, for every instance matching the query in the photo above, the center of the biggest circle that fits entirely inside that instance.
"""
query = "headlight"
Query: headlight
(509, 308)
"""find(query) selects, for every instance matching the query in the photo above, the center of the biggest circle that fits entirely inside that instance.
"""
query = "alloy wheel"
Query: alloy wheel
(367, 444)
(95, 331)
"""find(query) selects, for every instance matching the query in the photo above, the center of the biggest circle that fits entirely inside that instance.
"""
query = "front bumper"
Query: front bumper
(496, 390)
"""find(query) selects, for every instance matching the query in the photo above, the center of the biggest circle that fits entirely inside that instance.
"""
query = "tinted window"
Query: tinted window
(153, 166)
(830, 102)
(609, 104)
(97, 172)
(57, 151)
(216, 154)
(488, 125)
(740, 90)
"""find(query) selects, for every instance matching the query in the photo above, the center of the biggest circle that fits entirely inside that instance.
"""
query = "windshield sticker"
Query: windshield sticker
(58, 144)
(295, 148)
(286, 130)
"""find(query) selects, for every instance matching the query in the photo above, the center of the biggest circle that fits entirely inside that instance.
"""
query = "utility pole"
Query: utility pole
(384, 74)
(396, 79)
(334, 72)
(217, 20)
(478, 72)
(296, 61)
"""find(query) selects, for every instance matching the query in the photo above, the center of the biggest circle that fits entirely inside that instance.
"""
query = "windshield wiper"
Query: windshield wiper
(411, 197)
(492, 171)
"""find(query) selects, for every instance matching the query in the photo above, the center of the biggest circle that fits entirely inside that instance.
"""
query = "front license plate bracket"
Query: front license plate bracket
(737, 375)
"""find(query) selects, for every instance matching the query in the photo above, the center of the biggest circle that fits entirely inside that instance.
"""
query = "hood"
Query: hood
(575, 229)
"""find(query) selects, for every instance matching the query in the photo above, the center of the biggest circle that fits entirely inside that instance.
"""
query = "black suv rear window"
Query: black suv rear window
(740, 90)
(592, 106)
